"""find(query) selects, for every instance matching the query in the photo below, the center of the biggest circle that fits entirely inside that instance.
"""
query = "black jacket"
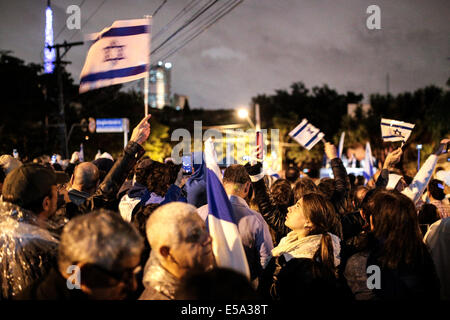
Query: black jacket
(105, 196)
(274, 215)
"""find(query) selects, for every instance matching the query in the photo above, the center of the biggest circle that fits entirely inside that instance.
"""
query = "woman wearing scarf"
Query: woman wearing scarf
(305, 262)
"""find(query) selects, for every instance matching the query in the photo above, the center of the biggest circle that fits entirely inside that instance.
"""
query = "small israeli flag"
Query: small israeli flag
(306, 134)
(119, 54)
(394, 130)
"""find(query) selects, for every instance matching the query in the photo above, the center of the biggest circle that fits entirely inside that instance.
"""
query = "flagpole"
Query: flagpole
(147, 76)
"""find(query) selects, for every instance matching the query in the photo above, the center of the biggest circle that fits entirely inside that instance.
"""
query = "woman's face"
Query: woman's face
(295, 219)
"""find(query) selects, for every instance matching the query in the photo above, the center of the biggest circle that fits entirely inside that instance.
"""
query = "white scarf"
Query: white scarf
(293, 247)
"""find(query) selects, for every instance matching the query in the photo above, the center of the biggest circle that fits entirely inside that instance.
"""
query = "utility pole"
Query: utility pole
(58, 66)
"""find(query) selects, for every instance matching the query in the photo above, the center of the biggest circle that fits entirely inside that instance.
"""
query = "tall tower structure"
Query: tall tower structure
(49, 54)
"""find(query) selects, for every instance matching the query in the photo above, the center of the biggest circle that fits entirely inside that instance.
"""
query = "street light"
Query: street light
(243, 114)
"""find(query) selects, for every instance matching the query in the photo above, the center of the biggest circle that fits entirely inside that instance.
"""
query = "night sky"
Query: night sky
(264, 45)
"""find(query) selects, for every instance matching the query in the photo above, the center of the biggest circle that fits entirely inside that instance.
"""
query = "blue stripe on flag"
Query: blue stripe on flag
(387, 137)
(396, 126)
(312, 139)
(125, 31)
(218, 203)
(300, 130)
(111, 74)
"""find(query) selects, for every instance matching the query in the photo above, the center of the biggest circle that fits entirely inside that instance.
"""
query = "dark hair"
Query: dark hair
(157, 176)
(358, 195)
(327, 187)
(292, 174)
(236, 173)
(282, 193)
(395, 225)
(216, 284)
(2, 175)
(322, 215)
(428, 214)
(34, 206)
(435, 190)
(303, 186)
(351, 178)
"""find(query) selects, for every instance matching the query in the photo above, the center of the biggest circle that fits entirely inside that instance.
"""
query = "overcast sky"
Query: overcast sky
(264, 45)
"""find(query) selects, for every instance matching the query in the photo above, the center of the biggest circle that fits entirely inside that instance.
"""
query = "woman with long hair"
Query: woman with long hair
(305, 262)
(395, 251)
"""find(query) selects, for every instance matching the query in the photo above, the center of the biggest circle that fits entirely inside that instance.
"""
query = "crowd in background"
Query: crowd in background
(135, 228)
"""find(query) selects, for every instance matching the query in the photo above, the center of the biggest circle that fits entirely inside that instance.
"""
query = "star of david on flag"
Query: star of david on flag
(394, 130)
(306, 134)
(118, 54)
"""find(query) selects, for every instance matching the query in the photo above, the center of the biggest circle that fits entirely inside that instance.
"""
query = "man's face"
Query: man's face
(194, 251)
(103, 284)
(50, 204)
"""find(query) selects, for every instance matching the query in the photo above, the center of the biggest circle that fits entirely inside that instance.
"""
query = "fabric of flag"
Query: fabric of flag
(226, 241)
(81, 153)
(368, 170)
(306, 134)
(341, 145)
(118, 54)
(394, 130)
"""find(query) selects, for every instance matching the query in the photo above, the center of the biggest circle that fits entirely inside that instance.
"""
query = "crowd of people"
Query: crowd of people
(135, 228)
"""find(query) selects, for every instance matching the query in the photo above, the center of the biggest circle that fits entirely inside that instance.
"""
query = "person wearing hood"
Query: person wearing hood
(195, 187)
(315, 237)
(28, 240)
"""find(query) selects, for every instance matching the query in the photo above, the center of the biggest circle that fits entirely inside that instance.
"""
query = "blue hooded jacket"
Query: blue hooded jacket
(195, 187)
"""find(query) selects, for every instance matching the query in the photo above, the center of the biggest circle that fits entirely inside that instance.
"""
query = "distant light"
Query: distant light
(168, 65)
(242, 113)
(178, 107)
(87, 137)
(160, 63)
(419, 147)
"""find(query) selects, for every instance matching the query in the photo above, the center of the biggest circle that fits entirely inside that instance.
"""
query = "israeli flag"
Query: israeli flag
(368, 170)
(306, 134)
(119, 54)
(226, 241)
(394, 130)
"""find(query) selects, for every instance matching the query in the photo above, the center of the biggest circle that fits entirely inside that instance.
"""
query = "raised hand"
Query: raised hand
(142, 131)
(392, 158)
(330, 150)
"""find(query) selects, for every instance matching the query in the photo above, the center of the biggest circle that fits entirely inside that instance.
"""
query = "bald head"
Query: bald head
(85, 177)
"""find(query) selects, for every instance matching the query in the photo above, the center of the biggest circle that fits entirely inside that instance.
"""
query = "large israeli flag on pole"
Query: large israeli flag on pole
(118, 54)
(368, 170)
(306, 134)
(226, 241)
(394, 130)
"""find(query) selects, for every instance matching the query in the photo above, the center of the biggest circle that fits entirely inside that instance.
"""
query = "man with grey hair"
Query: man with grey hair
(99, 255)
(180, 243)
(84, 181)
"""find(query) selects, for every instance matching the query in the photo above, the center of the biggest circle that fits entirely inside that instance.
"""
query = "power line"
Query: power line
(207, 26)
(198, 27)
(160, 6)
(174, 19)
(98, 8)
(196, 15)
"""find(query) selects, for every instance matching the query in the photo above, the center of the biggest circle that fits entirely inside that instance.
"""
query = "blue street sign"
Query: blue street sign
(112, 125)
